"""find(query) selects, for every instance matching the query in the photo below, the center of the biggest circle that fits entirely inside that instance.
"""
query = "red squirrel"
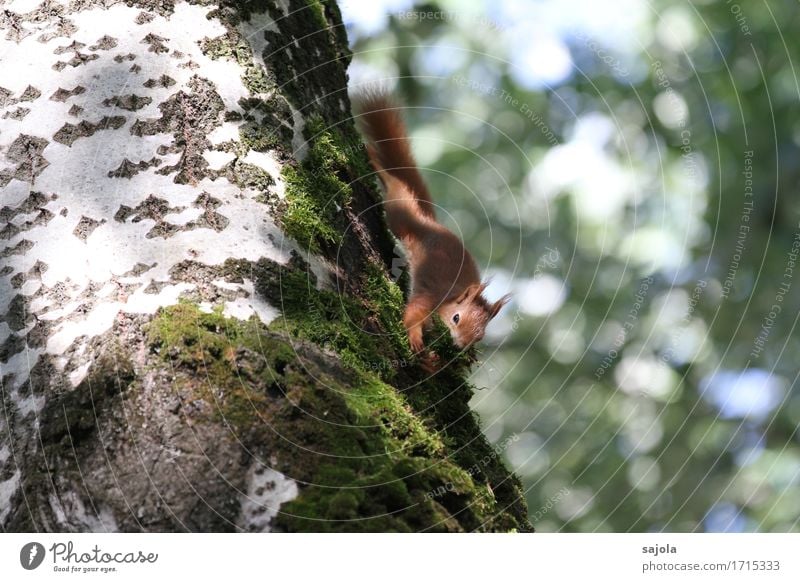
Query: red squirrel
(444, 276)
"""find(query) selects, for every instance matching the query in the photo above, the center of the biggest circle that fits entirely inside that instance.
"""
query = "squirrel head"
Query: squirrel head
(468, 314)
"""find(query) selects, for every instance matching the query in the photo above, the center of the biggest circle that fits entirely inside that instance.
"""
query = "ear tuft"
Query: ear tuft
(498, 305)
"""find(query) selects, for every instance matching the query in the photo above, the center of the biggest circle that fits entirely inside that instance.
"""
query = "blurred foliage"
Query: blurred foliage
(629, 172)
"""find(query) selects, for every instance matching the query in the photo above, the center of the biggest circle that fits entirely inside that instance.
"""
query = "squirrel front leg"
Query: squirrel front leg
(417, 313)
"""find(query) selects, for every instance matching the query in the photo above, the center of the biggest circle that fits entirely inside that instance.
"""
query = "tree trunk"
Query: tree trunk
(199, 330)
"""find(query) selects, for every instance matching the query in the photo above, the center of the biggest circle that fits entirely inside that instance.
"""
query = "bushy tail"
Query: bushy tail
(378, 118)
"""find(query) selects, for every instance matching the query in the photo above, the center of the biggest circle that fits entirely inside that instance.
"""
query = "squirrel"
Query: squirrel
(444, 277)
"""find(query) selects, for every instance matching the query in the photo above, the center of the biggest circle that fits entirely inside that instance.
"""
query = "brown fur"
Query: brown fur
(444, 276)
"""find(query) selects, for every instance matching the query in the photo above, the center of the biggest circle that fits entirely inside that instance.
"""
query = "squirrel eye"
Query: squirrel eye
(456, 318)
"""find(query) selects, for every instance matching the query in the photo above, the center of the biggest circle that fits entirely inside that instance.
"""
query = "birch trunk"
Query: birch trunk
(198, 330)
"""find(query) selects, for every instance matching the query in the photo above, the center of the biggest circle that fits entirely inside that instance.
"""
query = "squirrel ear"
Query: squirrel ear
(498, 305)
(468, 293)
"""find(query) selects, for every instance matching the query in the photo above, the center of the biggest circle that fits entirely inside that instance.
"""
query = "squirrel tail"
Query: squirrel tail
(378, 117)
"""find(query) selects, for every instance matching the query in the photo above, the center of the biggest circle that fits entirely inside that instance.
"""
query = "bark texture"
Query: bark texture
(198, 328)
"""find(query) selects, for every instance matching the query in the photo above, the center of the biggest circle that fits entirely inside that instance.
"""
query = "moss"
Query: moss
(306, 218)
(399, 482)
(373, 400)
(369, 461)
(441, 401)
(317, 190)
(388, 303)
(440, 341)
(338, 322)
(446, 399)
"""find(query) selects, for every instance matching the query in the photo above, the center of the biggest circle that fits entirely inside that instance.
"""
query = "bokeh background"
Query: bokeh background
(629, 170)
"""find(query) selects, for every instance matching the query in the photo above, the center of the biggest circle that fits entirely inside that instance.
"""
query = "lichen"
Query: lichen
(233, 46)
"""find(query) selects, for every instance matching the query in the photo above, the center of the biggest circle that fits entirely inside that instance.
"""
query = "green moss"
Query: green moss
(374, 401)
(307, 219)
(317, 13)
(446, 399)
(371, 463)
(338, 322)
(441, 343)
(316, 190)
(388, 303)
(397, 484)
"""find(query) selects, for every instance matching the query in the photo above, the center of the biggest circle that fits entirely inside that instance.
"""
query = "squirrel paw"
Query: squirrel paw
(431, 363)
(415, 339)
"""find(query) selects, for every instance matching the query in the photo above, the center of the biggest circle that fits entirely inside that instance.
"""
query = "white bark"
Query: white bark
(117, 146)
